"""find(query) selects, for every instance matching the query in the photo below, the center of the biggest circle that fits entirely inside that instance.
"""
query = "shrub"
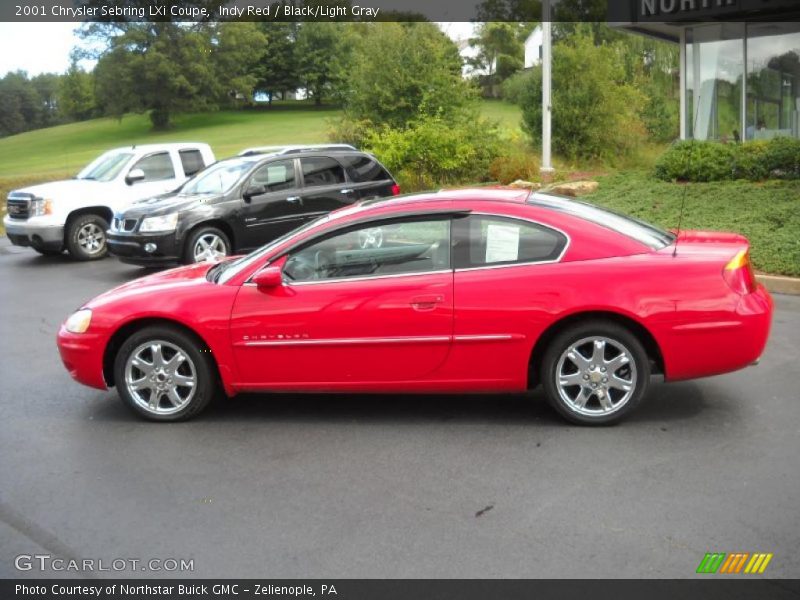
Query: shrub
(431, 151)
(514, 164)
(712, 161)
(515, 88)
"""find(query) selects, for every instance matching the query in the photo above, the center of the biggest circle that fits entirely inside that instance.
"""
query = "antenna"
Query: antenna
(686, 186)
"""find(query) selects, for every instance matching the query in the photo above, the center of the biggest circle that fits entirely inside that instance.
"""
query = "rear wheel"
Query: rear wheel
(595, 373)
(86, 237)
(164, 375)
(206, 244)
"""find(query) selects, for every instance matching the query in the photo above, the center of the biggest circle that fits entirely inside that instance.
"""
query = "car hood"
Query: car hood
(72, 188)
(166, 282)
(166, 204)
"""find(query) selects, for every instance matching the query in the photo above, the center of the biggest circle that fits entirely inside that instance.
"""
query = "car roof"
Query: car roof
(157, 147)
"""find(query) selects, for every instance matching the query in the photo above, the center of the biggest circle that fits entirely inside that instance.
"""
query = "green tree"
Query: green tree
(406, 71)
(278, 71)
(237, 51)
(76, 93)
(501, 51)
(323, 53)
(22, 107)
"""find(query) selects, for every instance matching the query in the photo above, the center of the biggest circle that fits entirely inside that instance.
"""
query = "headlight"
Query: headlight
(41, 207)
(165, 223)
(79, 321)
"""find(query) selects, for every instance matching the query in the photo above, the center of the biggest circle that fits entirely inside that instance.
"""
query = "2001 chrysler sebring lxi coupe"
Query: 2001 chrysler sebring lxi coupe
(460, 291)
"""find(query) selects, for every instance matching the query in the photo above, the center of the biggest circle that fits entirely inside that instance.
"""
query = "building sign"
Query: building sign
(640, 11)
(687, 8)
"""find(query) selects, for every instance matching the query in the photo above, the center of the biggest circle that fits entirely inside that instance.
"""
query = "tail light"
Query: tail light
(395, 190)
(738, 273)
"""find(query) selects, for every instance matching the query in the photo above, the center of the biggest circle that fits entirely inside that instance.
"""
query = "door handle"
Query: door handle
(346, 191)
(294, 199)
(426, 302)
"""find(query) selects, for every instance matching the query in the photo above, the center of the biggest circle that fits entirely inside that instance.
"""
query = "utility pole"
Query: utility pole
(547, 60)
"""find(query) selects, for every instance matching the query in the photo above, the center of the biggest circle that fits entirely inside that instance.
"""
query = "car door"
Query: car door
(348, 317)
(271, 202)
(506, 285)
(325, 186)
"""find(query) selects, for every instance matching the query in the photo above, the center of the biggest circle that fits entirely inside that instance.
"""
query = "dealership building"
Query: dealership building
(739, 62)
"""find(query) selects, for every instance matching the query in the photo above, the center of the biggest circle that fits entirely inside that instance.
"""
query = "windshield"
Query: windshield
(228, 270)
(643, 232)
(107, 167)
(217, 179)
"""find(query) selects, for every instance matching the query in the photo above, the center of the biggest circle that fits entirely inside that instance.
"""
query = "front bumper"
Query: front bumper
(130, 247)
(82, 355)
(32, 233)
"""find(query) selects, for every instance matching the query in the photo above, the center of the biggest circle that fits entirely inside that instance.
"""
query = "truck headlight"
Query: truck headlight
(41, 207)
(79, 321)
(163, 223)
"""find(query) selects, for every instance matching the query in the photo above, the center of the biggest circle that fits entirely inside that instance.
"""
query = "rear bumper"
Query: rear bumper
(82, 355)
(727, 343)
(130, 248)
(30, 233)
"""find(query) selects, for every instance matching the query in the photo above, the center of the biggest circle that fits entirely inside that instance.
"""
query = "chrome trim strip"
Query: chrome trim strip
(365, 278)
(492, 337)
(348, 341)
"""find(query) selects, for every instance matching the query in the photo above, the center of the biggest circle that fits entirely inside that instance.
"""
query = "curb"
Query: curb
(777, 284)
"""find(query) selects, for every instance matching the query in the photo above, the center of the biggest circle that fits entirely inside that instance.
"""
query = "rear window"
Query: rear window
(363, 168)
(318, 171)
(192, 161)
(156, 167)
(643, 232)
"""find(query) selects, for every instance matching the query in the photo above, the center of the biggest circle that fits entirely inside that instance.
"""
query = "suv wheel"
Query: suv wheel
(206, 243)
(595, 373)
(163, 375)
(86, 237)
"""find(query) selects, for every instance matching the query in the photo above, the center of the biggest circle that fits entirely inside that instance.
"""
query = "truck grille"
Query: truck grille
(127, 225)
(18, 208)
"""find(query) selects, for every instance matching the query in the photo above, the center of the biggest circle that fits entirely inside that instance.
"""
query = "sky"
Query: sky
(44, 47)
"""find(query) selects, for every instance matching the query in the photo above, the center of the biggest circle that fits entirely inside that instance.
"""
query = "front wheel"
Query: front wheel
(86, 237)
(164, 374)
(206, 244)
(595, 373)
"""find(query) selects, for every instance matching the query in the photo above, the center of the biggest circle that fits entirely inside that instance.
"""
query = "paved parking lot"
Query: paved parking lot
(316, 486)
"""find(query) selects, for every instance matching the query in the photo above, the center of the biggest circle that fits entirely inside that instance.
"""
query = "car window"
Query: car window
(156, 167)
(363, 168)
(107, 167)
(218, 178)
(321, 170)
(416, 246)
(275, 176)
(482, 240)
(192, 161)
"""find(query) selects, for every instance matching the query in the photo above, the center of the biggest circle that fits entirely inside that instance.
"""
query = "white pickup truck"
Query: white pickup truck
(75, 214)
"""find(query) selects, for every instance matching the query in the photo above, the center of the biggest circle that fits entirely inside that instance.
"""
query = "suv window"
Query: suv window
(363, 168)
(321, 170)
(156, 167)
(192, 161)
(416, 246)
(489, 240)
(276, 176)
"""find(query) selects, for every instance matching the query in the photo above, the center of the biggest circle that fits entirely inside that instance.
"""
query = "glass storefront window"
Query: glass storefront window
(714, 78)
(773, 80)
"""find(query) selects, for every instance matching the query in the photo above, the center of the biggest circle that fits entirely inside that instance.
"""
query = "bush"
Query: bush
(431, 151)
(712, 161)
(514, 164)
(515, 88)
(595, 111)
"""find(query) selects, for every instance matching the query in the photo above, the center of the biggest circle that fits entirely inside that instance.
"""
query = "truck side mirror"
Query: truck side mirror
(133, 176)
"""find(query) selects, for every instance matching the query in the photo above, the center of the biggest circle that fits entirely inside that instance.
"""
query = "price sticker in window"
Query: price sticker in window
(502, 243)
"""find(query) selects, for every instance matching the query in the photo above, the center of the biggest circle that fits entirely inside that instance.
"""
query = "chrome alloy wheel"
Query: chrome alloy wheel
(596, 376)
(91, 238)
(209, 247)
(160, 377)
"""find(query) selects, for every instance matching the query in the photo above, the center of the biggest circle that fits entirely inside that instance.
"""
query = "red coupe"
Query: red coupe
(484, 290)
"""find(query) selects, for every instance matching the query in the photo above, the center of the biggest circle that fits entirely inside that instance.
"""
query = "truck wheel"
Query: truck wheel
(206, 243)
(86, 237)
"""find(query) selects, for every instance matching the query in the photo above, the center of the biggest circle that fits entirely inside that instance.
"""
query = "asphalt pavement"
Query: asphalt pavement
(339, 486)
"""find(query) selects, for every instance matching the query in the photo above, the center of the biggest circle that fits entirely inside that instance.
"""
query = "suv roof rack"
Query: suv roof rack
(296, 149)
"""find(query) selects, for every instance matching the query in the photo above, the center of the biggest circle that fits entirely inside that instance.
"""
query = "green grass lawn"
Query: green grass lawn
(767, 213)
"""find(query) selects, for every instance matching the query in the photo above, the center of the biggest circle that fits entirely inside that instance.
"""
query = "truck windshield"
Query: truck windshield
(107, 167)
(217, 179)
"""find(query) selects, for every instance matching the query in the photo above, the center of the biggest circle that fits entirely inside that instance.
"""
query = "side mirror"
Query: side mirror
(270, 277)
(254, 190)
(133, 176)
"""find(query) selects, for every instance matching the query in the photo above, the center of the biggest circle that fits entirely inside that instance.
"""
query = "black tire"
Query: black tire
(200, 363)
(77, 243)
(619, 336)
(196, 235)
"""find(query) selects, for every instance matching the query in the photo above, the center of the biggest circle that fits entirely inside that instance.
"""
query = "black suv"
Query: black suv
(241, 203)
